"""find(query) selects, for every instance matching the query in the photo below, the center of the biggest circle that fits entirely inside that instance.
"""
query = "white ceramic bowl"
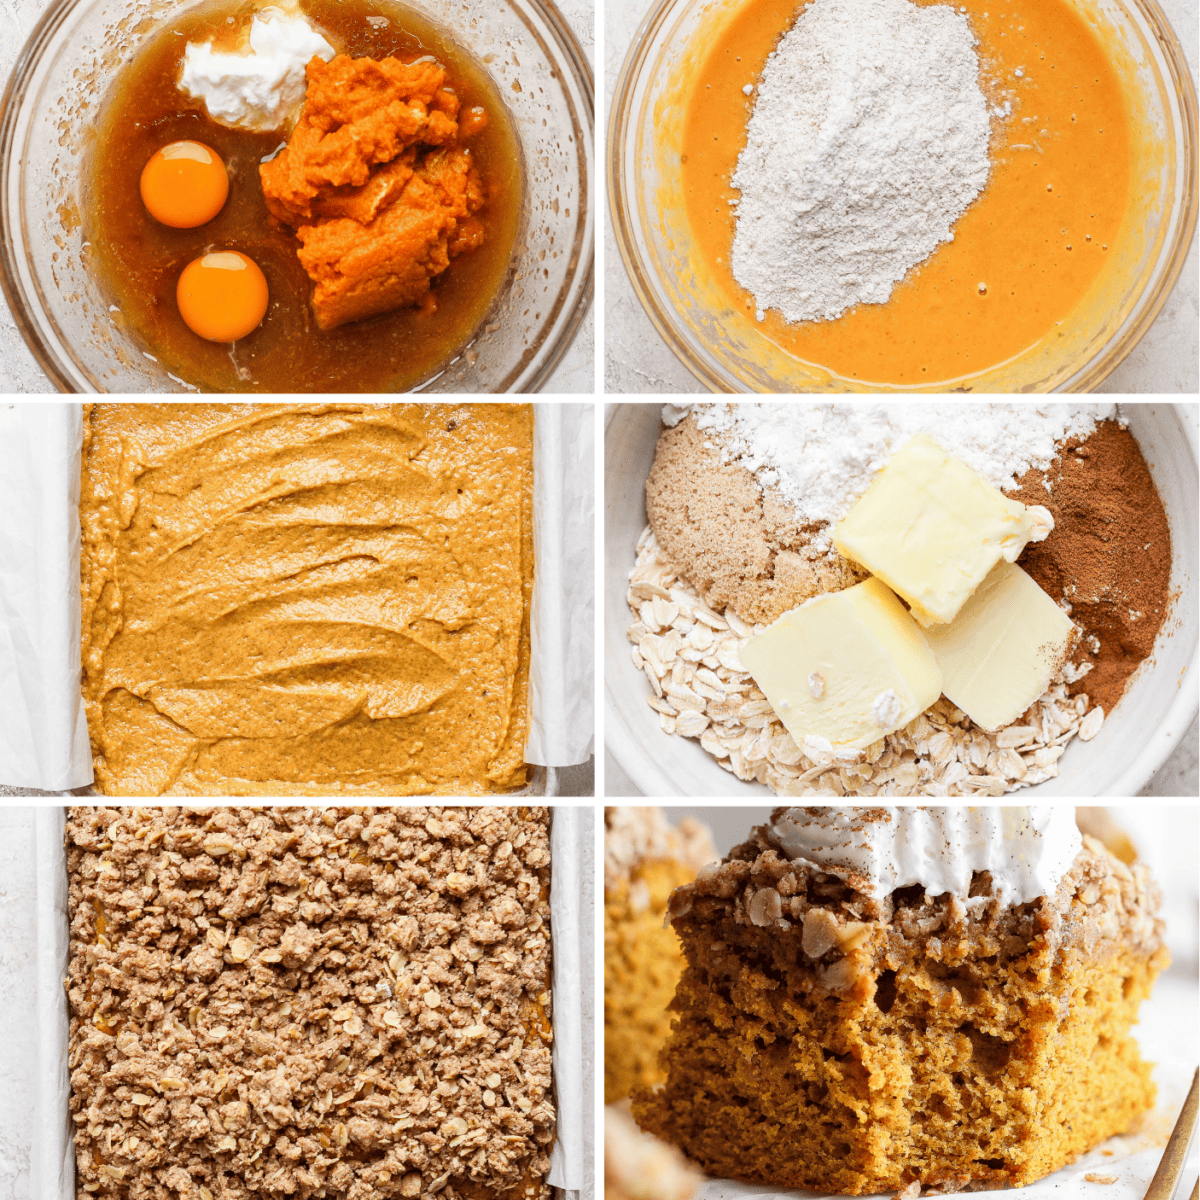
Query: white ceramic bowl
(1133, 743)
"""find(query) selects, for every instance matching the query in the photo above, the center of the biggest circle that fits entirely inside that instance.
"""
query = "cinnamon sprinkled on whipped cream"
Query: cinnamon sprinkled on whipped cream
(1027, 849)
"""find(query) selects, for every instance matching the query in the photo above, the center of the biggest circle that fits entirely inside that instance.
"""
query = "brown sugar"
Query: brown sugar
(738, 543)
(376, 220)
(827, 1039)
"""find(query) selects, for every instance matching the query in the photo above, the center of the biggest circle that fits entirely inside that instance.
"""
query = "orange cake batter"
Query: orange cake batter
(307, 599)
(1055, 201)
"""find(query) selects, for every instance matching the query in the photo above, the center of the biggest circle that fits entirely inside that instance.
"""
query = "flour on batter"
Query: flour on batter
(868, 140)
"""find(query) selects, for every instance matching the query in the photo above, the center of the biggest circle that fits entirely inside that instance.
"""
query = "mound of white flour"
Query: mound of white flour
(868, 140)
(822, 457)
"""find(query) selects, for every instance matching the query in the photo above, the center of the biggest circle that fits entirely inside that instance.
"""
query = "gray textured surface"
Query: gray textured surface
(17, 957)
(19, 372)
(638, 360)
(576, 373)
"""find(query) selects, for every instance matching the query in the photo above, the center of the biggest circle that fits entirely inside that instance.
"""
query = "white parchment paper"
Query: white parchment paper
(43, 728)
(572, 895)
(572, 874)
(561, 727)
(52, 1159)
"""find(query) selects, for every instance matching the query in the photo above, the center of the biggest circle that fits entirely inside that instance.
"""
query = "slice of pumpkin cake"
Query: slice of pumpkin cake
(877, 997)
(644, 860)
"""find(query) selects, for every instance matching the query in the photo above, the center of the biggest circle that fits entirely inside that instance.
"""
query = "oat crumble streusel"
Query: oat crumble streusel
(340, 1003)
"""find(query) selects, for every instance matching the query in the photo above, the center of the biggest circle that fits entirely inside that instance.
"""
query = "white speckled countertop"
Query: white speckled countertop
(638, 360)
(19, 371)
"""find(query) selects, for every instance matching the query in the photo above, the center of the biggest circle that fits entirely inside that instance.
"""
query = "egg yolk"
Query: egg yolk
(222, 296)
(184, 185)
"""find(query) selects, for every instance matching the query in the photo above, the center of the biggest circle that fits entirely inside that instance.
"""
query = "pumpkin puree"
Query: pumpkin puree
(307, 599)
(1055, 200)
(376, 222)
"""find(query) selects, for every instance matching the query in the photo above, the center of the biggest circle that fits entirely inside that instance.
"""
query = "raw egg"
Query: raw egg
(222, 296)
(184, 185)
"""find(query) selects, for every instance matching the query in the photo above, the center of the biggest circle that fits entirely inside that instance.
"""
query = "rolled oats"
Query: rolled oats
(693, 664)
(1090, 725)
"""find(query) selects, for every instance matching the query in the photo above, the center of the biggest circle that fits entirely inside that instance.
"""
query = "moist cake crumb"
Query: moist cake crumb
(935, 1041)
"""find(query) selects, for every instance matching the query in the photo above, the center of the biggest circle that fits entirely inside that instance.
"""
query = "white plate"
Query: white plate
(1133, 743)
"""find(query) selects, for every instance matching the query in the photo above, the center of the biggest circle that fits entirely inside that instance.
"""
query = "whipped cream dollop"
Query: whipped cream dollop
(261, 86)
(1027, 849)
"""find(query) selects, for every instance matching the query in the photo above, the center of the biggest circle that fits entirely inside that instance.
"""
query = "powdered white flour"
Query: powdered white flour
(822, 457)
(868, 140)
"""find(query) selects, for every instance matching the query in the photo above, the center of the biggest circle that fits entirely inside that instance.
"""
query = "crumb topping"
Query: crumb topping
(849, 935)
(637, 834)
(345, 1003)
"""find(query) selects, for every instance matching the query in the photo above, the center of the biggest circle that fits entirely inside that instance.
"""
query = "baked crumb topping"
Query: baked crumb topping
(341, 1003)
(634, 835)
(848, 936)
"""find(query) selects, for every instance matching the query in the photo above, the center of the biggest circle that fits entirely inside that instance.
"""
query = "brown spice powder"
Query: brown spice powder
(1109, 556)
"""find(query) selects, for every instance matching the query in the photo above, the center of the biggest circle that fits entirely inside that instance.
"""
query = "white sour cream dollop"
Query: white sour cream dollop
(263, 87)
(1027, 849)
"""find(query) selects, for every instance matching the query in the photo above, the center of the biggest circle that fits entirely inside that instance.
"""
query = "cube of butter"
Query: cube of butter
(844, 669)
(932, 528)
(1001, 651)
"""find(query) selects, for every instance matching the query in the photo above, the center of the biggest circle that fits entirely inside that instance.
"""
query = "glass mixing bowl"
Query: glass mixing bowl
(50, 105)
(721, 346)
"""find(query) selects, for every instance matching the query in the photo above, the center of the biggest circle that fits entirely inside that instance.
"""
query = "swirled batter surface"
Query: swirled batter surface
(307, 599)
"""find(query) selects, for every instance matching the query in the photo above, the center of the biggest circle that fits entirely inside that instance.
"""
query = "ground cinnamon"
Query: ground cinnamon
(1109, 556)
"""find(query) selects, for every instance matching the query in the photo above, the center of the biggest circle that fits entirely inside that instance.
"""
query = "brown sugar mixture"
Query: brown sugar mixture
(366, 243)
(300, 1003)
(307, 599)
